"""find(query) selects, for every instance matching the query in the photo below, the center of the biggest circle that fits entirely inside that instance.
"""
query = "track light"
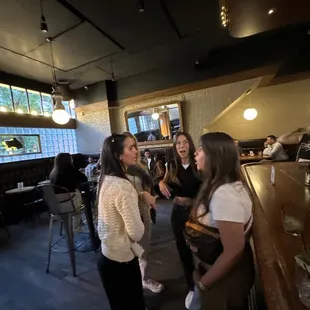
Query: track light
(43, 25)
(141, 6)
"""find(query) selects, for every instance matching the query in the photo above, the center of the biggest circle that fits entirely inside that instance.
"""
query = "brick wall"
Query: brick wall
(281, 108)
(93, 127)
(198, 108)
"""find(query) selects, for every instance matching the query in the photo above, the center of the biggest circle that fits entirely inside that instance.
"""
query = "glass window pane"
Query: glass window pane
(34, 102)
(5, 98)
(67, 107)
(47, 103)
(20, 100)
(72, 107)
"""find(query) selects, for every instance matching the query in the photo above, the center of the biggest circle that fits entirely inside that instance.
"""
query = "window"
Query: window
(5, 98)
(53, 141)
(147, 123)
(35, 102)
(132, 125)
(20, 100)
(47, 104)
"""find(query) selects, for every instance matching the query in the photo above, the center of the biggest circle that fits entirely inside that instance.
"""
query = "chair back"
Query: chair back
(58, 204)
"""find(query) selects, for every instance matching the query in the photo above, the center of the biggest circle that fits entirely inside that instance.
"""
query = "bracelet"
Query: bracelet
(201, 286)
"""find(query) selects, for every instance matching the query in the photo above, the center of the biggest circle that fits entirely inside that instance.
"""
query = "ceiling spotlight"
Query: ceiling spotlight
(86, 87)
(43, 25)
(271, 11)
(141, 6)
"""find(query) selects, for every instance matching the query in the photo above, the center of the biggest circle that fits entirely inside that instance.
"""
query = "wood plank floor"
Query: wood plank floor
(24, 285)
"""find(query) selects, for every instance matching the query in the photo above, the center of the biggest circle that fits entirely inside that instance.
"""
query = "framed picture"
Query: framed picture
(14, 144)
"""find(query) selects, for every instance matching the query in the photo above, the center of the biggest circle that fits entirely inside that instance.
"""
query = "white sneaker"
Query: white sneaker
(152, 285)
(188, 299)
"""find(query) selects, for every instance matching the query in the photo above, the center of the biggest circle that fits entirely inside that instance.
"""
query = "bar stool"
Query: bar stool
(56, 211)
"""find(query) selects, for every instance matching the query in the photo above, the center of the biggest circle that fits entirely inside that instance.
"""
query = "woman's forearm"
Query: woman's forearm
(220, 268)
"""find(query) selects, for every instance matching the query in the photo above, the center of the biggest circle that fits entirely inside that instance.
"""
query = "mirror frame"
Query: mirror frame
(157, 142)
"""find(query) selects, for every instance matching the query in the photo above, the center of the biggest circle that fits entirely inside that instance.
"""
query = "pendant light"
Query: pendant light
(250, 113)
(60, 115)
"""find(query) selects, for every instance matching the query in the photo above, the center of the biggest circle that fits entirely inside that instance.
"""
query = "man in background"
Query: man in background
(149, 160)
(275, 149)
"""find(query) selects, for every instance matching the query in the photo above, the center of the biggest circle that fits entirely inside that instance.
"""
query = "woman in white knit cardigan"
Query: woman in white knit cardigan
(120, 227)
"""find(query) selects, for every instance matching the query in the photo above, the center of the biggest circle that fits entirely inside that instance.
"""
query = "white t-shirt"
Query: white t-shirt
(149, 162)
(231, 203)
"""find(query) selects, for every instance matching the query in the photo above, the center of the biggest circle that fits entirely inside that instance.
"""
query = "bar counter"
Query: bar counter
(275, 250)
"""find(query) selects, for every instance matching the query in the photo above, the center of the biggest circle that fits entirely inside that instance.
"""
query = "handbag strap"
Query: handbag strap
(210, 231)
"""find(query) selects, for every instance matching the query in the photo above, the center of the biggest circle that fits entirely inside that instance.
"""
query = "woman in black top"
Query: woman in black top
(65, 175)
(182, 181)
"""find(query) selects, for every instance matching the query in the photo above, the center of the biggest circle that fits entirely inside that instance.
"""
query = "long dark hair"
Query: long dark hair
(222, 166)
(62, 163)
(112, 149)
(176, 162)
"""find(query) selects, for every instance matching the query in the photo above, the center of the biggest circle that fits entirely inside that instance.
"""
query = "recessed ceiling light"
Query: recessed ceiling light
(271, 11)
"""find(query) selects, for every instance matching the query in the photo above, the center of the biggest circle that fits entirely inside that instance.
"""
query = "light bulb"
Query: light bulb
(60, 116)
(250, 114)
(155, 116)
(2, 109)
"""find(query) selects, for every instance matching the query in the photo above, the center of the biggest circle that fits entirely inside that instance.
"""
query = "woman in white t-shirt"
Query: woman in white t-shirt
(219, 228)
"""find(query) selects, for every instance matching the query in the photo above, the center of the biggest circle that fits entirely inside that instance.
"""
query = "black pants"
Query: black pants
(179, 217)
(122, 283)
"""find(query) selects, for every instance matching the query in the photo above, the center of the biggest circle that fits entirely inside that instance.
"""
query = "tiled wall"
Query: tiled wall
(93, 127)
(53, 141)
(281, 108)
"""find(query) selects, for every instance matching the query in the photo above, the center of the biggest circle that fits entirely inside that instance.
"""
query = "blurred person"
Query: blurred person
(182, 181)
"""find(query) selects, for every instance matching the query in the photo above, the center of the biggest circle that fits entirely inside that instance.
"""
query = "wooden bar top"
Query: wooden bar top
(275, 250)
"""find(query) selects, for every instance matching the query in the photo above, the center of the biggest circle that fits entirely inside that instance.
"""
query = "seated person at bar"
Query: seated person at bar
(299, 136)
(92, 164)
(65, 175)
(275, 149)
(239, 148)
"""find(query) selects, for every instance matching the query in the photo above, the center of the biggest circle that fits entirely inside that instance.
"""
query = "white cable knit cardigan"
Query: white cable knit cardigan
(119, 221)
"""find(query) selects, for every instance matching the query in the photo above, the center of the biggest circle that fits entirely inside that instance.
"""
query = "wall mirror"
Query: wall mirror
(11, 145)
(155, 124)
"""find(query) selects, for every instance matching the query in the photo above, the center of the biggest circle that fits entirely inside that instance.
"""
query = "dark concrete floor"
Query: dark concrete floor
(24, 285)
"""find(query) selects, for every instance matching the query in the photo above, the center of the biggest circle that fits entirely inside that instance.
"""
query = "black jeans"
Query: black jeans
(122, 283)
(179, 217)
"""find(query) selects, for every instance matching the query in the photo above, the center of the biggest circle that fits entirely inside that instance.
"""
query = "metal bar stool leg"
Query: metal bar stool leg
(67, 220)
(50, 244)
(61, 227)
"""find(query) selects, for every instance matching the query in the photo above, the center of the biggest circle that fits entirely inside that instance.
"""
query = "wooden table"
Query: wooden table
(254, 158)
(275, 250)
